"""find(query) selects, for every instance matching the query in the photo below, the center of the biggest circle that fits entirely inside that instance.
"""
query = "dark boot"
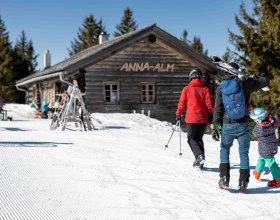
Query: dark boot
(224, 175)
(199, 162)
(202, 164)
(244, 176)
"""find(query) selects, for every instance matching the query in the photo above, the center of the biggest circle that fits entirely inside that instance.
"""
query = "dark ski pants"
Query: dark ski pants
(195, 135)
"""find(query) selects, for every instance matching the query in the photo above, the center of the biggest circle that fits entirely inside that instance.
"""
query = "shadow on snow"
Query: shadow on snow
(13, 129)
(29, 144)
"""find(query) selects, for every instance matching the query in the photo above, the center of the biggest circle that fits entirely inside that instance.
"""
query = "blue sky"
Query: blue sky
(53, 24)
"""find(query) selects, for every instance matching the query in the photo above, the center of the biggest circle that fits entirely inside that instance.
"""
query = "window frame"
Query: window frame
(111, 84)
(145, 98)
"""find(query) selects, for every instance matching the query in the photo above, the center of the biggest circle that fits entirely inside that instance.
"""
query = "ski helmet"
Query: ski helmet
(196, 73)
(258, 114)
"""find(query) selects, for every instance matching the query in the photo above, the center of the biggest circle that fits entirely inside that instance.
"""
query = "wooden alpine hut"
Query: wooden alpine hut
(143, 71)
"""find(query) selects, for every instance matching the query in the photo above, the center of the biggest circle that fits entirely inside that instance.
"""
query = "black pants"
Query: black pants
(44, 114)
(195, 135)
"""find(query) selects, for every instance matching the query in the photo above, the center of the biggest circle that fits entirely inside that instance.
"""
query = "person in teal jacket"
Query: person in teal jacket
(44, 109)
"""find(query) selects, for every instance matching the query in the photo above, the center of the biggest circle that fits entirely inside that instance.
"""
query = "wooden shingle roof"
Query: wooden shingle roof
(99, 52)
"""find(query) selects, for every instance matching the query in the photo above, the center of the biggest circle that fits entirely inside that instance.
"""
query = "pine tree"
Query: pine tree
(24, 61)
(31, 57)
(258, 47)
(88, 35)
(228, 55)
(26, 57)
(127, 24)
(197, 44)
(184, 36)
(7, 85)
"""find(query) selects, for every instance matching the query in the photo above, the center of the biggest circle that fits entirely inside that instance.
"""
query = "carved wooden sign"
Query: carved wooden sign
(141, 67)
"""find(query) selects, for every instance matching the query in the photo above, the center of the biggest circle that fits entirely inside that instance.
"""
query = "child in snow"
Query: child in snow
(267, 146)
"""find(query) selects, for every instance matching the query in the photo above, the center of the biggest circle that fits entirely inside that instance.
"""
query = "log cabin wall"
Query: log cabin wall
(146, 76)
(49, 91)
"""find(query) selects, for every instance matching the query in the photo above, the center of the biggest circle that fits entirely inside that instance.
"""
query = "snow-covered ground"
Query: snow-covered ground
(121, 170)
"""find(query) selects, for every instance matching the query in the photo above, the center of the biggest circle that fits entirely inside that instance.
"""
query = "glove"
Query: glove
(215, 133)
(241, 76)
(178, 118)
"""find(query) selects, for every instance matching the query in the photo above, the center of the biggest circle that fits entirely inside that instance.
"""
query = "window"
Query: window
(111, 92)
(148, 93)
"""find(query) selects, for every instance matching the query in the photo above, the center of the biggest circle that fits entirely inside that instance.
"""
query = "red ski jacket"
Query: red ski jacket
(196, 99)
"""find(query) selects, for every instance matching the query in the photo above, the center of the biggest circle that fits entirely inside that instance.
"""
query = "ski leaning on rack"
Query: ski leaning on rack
(60, 110)
(72, 109)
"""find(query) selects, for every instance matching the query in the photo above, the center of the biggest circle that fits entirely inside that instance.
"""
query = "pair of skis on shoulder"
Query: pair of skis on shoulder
(221, 65)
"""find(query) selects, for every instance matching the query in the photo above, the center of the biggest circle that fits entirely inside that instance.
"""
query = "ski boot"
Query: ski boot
(242, 187)
(199, 162)
(224, 183)
(244, 176)
(274, 183)
(224, 176)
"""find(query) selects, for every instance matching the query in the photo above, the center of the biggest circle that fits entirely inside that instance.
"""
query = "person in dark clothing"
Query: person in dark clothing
(196, 99)
(234, 129)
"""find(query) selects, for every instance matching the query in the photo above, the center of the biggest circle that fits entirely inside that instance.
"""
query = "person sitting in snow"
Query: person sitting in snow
(267, 144)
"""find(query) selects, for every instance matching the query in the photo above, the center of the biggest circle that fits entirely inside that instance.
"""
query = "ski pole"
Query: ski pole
(166, 146)
(180, 138)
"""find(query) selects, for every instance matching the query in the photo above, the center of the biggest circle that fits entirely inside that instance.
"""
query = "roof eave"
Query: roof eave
(39, 78)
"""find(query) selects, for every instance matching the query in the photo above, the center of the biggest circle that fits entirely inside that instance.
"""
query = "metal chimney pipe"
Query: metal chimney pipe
(103, 37)
(47, 59)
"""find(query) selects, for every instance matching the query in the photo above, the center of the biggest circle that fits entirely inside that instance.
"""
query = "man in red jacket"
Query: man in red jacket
(196, 99)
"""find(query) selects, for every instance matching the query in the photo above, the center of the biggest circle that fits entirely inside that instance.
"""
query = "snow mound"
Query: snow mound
(20, 111)
(127, 120)
(101, 120)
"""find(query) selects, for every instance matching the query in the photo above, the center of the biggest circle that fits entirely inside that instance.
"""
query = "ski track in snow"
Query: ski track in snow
(119, 173)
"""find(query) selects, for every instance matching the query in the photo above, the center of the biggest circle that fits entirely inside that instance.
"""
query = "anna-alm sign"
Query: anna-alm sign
(141, 67)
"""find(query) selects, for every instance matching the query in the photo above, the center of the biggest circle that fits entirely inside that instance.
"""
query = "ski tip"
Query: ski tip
(216, 58)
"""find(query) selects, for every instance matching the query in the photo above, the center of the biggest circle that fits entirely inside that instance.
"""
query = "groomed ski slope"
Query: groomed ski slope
(120, 171)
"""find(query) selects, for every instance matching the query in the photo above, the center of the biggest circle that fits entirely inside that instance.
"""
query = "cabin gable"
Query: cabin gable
(145, 77)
